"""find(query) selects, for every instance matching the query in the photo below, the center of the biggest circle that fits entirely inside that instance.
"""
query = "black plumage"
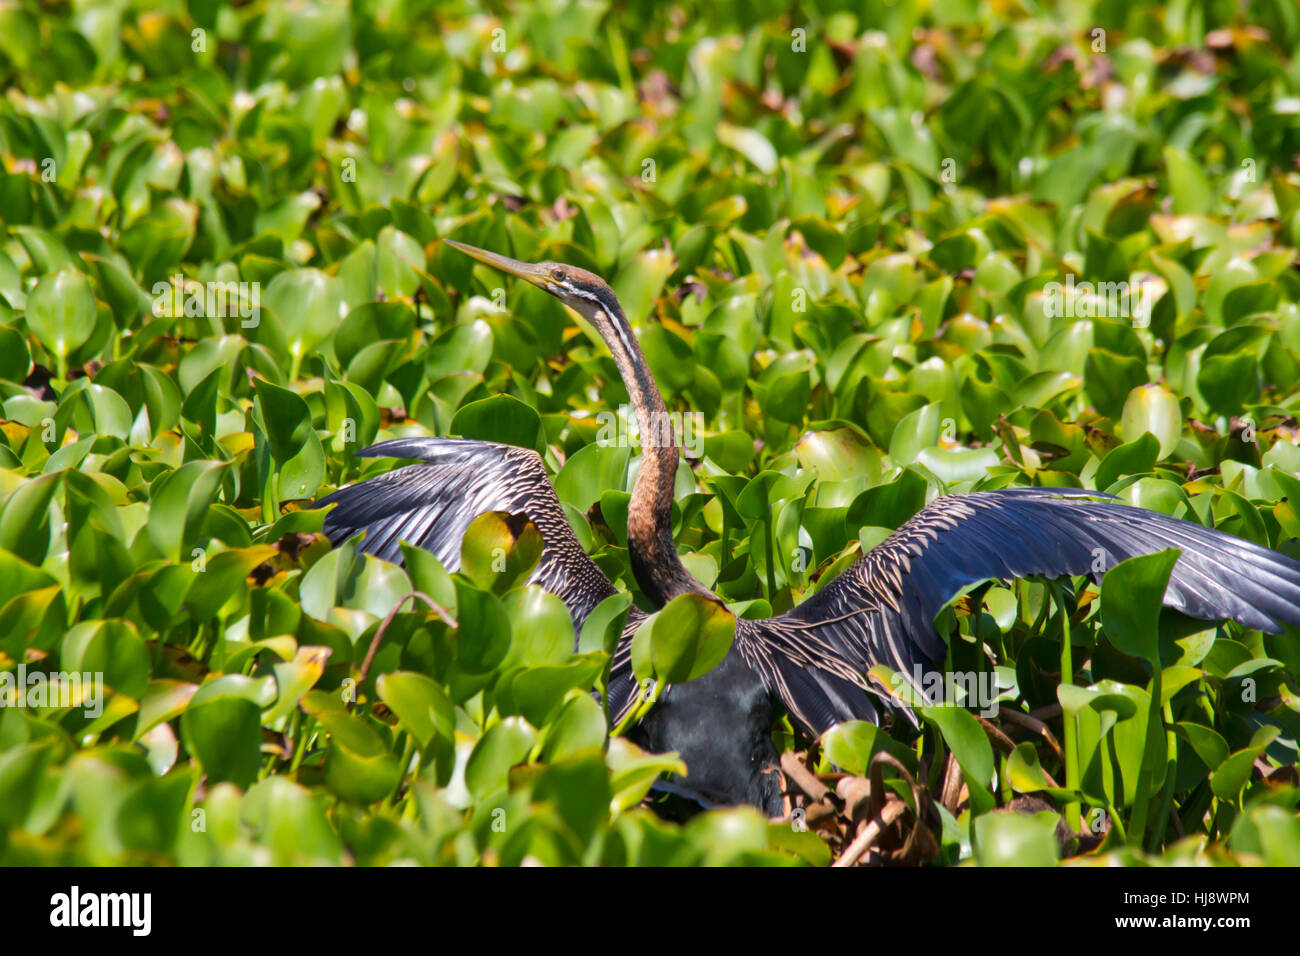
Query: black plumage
(431, 506)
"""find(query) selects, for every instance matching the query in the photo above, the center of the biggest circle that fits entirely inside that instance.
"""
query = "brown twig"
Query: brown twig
(853, 793)
(803, 778)
(950, 795)
(995, 734)
(920, 841)
(1033, 723)
(922, 805)
(1006, 744)
(1050, 712)
(890, 812)
(388, 619)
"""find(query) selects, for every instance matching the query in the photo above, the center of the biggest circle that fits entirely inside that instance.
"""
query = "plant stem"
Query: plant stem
(723, 552)
(1116, 823)
(1137, 825)
(270, 500)
(300, 744)
(1171, 770)
(1073, 818)
(771, 559)
(408, 752)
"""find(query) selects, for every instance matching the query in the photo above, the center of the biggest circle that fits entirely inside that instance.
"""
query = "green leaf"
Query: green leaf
(589, 472)
(838, 454)
(21, 774)
(501, 419)
(293, 822)
(499, 553)
(502, 747)
(851, 745)
(422, 706)
(633, 771)
(1188, 183)
(25, 518)
(1204, 741)
(359, 767)
(110, 648)
(1152, 410)
(543, 628)
(294, 678)
(916, 431)
(292, 440)
(579, 726)
(1026, 773)
(639, 282)
(164, 699)
(483, 636)
(749, 143)
(179, 502)
(308, 305)
(1132, 597)
(222, 579)
(1135, 458)
(15, 359)
(61, 313)
(221, 727)
(1232, 775)
(686, 639)
(970, 745)
(1017, 839)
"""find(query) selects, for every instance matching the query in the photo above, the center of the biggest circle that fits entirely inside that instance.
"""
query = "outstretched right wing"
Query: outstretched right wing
(882, 608)
(430, 506)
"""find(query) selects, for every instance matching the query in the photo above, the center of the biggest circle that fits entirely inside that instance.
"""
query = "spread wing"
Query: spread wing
(430, 506)
(882, 609)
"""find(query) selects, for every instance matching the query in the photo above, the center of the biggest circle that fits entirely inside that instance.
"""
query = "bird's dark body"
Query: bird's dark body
(811, 660)
(722, 729)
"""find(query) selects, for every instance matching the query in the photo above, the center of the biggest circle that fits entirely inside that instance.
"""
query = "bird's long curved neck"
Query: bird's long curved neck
(653, 556)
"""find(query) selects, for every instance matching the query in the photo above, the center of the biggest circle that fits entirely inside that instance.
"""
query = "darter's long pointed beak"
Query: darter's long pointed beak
(537, 275)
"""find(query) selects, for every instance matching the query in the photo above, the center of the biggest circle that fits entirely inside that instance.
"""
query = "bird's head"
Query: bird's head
(587, 294)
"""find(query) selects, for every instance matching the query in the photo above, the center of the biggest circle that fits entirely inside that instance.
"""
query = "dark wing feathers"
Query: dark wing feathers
(818, 698)
(882, 609)
(411, 504)
(430, 506)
